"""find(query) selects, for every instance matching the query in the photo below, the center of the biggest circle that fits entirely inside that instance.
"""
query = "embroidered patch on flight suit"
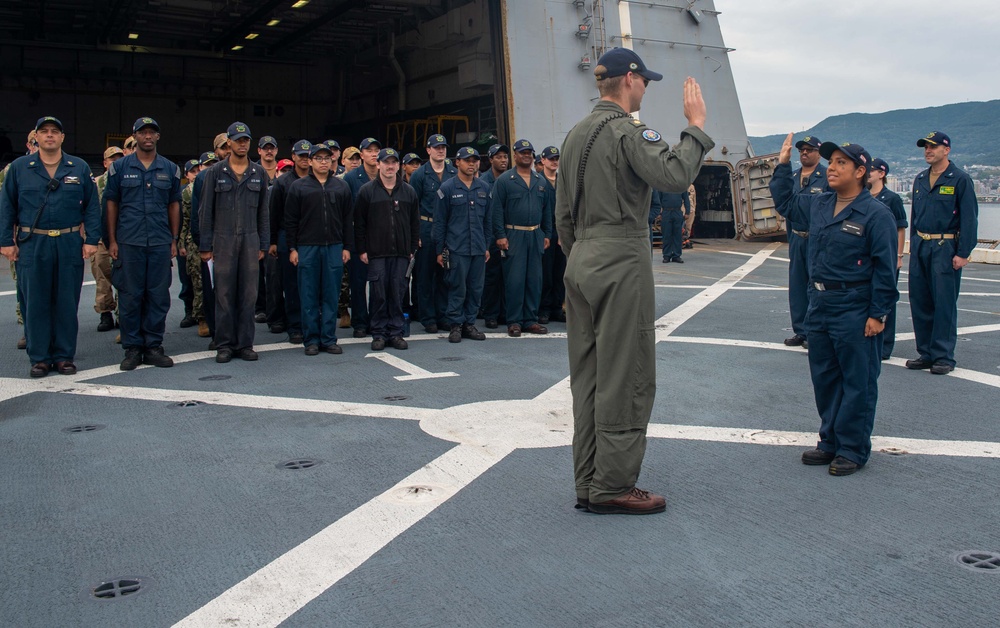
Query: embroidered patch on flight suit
(947, 189)
(651, 136)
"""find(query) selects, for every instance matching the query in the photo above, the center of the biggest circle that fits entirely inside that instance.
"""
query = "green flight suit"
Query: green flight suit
(609, 288)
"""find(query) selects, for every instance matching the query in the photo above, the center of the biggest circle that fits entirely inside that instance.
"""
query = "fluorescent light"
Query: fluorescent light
(252, 35)
(274, 22)
(300, 4)
(234, 48)
(133, 35)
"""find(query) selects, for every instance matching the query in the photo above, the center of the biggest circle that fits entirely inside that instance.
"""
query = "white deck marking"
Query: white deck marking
(676, 317)
(413, 372)
(773, 257)
(7, 293)
(750, 288)
(279, 589)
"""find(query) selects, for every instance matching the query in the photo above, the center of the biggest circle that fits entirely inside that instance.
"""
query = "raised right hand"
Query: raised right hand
(694, 104)
(785, 156)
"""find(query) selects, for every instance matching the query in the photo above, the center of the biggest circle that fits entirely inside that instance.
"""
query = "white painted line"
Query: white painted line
(773, 257)
(751, 288)
(7, 293)
(683, 312)
(971, 449)
(281, 588)
(413, 372)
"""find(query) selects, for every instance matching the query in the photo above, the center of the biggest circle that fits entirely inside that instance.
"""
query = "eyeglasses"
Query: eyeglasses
(808, 149)
(645, 82)
(321, 158)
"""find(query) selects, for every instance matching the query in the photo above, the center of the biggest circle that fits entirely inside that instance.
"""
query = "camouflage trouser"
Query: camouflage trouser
(345, 294)
(100, 268)
(193, 261)
(17, 301)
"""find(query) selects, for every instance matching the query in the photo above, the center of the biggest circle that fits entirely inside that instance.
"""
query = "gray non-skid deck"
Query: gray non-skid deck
(447, 501)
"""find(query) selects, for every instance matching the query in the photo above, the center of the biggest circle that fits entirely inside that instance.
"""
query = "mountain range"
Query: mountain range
(974, 129)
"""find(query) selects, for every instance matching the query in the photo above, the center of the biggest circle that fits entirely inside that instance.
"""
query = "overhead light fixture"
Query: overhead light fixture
(252, 35)
(237, 47)
(300, 4)
(133, 35)
(274, 22)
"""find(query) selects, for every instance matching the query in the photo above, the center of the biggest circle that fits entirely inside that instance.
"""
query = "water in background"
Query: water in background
(989, 220)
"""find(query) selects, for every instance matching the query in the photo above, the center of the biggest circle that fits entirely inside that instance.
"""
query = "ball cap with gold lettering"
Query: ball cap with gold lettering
(48, 120)
(142, 123)
(267, 139)
(621, 61)
(809, 140)
(935, 138)
(436, 140)
(388, 153)
(238, 130)
(854, 152)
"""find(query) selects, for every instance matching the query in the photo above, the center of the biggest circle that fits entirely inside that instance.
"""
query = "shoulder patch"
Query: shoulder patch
(651, 136)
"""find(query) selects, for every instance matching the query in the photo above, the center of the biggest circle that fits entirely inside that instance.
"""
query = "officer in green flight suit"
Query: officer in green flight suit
(610, 161)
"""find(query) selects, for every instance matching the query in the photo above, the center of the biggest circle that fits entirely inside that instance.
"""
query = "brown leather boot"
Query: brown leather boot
(635, 502)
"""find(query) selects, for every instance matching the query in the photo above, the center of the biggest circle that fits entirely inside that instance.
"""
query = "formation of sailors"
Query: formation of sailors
(364, 238)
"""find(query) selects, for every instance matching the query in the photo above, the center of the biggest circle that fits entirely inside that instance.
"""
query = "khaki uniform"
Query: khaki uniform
(689, 221)
(609, 288)
(13, 265)
(100, 262)
(193, 260)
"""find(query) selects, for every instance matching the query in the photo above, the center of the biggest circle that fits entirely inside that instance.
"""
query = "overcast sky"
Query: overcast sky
(798, 61)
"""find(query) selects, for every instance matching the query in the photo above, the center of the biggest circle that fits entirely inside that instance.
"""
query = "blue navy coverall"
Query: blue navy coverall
(798, 248)
(462, 225)
(357, 271)
(286, 309)
(207, 289)
(432, 294)
(895, 204)
(143, 234)
(523, 215)
(554, 270)
(493, 302)
(852, 257)
(674, 208)
(49, 267)
(950, 207)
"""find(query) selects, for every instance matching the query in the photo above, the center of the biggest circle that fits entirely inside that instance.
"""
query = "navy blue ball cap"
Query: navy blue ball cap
(316, 149)
(467, 152)
(436, 140)
(238, 130)
(191, 163)
(621, 61)
(368, 141)
(410, 157)
(936, 138)
(854, 152)
(301, 147)
(809, 140)
(388, 153)
(538, 159)
(549, 152)
(267, 139)
(523, 145)
(206, 157)
(332, 144)
(142, 123)
(879, 164)
(498, 148)
(48, 120)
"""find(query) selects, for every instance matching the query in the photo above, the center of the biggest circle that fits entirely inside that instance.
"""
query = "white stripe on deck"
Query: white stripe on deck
(413, 372)
(7, 293)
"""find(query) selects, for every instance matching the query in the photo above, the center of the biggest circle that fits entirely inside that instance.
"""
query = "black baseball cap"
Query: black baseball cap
(467, 152)
(808, 140)
(368, 141)
(301, 147)
(238, 130)
(388, 153)
(332, 144)
(523, 145)
(621, 61)
(206, 157)
(549, 152)
(935, 138)
(191, 163)
(879, 164)
(854, 152)
(411, 157)
(316, 149)
(48, 119)
(498, 148)
(267, 139)
(142, 123)
(436, 140)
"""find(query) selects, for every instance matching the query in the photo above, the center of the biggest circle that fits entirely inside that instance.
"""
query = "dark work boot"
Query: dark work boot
(107, 322)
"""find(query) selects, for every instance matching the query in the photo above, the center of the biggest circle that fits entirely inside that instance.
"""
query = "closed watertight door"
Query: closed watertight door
(755, 214)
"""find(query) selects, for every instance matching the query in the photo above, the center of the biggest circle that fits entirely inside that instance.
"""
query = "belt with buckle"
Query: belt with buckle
(801, 234)
(522, 228)
(839, 285)
(53, 233)
(936, 236)
(427, 218)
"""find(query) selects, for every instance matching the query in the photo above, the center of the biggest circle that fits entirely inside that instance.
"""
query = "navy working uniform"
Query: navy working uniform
(798, 241)
(674, 208)
(895, 204)
(493, 302)
(553, 260)
(143, 233)
(234, 228)
(522, 214)
(852, 260)
(462, 226)
(944, 223)
(357, 271)
(284, 283)
(432, 295)
(50, 248)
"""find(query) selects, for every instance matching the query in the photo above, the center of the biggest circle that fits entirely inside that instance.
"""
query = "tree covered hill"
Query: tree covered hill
(974, 129)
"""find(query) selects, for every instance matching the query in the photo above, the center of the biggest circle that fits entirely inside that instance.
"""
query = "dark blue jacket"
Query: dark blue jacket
(355, 179)
(73, 202)
(143, 197)
(462, 217)
(668, 200)
(231, 207)
(950, 207)
(514, 203)
(835, 253)
(816, 184)
(426, 183)
(895, 204)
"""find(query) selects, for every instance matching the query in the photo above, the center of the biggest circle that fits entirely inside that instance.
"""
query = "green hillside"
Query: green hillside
(974, 129)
